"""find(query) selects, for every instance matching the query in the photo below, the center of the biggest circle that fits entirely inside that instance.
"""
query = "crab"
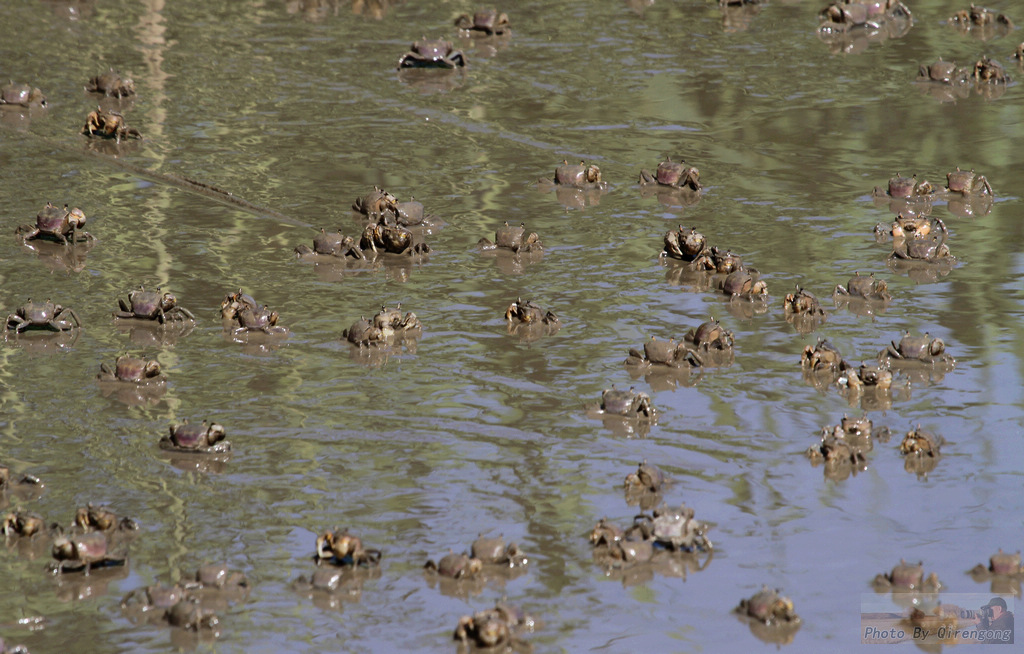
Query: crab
(921, 248)
(53, 223)
(376, 204)
(22, 524)
(843, 16)
(673, 173)
(768, 607)
(455, 566)
(84, 552)
(665, 353)
(685, 245)
(529, 313)
(109, 124)
(386, 326)
(259, 320)
(152, 600)
(100, 518)
(839, 455)
(491, 550)
(43, 315)
(333, 244)
(134, 370)
(111, 84)
(867, 288)
(22, 95)
(1000, 563)
(393, 239)
(493, 628)
(188, 614)
(982, 22)
(916, 348)
(343, 549)
(206, 438)
(907, 576)
(514, 238)
(674, 529)
(868, 375)
(234, 303)
(628, 404)
(990, 71)
(432, 53)
(921, 444)
(484, 22)
(966, 182)
(605, 533)
(803, 303)
(745, 285)
(823, 357)
(943, 72)
(152, 305)
(647, 478)
(709, 336)
(904, 187)
(580, 176)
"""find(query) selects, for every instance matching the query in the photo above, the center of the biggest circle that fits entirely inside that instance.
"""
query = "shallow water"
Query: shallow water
(477, 430)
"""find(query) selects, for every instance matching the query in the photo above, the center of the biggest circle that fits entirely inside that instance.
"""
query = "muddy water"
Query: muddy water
(476, 430)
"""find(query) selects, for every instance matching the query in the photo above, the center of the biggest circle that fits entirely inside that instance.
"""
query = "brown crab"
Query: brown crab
(840, 456)
(188, 614)
(916, 348)
(673, 173)
(943, 72)
(931, 249)
(343, 549)
(990, 71)
(101, 518)
(529, 313)
(132, 369)
(42, 315)
(673, 529)
(665, 353)
(484, 22)
(82, 552)
(1000, 563)
(493, 628)
(21, 95)
(152, 305)
(647, 478)
(709, 336)
(744, 285)
(966, 182)
(981, 22)
(393, 239)
(234, 303)
(432, 53)
(259, 320)
(867, 288)
(491, 550)
(206, 438)
(376, 204)
(111, 84)
(684, 245)
(822, 357)
(921, 444)
(109, 124)
(455, 566)
(22, 524)
(53, 223)
(579, 176)
(514, 238)
(907, 576)
(901, 186)
(768, 607)
(333, 244)
(628, 404)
